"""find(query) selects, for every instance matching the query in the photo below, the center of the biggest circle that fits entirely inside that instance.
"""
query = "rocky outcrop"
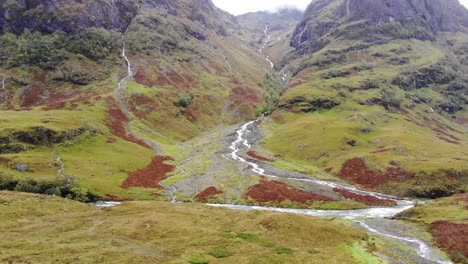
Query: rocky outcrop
(49, 16)
(366, 19)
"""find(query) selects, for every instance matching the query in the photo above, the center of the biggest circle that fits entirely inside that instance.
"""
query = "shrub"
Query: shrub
(369, 84)
(198, 260)
(63, 188)
(283, 250)
(184, 100)
(220, 252)
(94, 43)
(390, 98)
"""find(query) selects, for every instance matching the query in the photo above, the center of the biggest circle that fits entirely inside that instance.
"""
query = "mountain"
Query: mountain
(271, 31)
(401, 19)
(163, 104)
(378, 95)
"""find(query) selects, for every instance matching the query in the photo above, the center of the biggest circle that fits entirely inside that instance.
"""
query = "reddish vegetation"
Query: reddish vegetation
(4, 160)
(208, 193)
(453, 238)
(328, 170)
(462, 120)
(275, 191)
(254, 155)
(60, 100)
(141, 105)
(150, 176)
(437, 126)
(117, 123)
(244, 96)
(111, 140)
(160, 79)
(356, 171)
(462, 197)
(31, 97)
(380, 150)
(365, 199)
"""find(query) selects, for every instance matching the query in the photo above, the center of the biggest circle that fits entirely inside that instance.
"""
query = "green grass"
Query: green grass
(450, 209)
(143, 232)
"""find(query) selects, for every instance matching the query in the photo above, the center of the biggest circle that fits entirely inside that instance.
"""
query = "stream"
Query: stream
(362, 217)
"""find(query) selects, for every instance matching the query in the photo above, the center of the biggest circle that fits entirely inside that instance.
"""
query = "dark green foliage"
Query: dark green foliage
(369, 84)
(65, 188)
(198, 260)
(283, 250)
(363, 67)
(390, 98)
(424, 77)
(94, 43)
(403, 29)
(274, 89)
(220, 252)
(34, 49)
(335, 74)
(185, 100)
(418, 96)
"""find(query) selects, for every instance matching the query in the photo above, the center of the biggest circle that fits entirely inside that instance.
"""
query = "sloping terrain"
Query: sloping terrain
(49, 230)
(378, 99)
(58, 100)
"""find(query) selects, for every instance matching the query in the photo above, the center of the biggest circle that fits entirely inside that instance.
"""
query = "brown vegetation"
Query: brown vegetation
(453, 238)
(208, 194)
(275, 191)
(117, 121)
(241, 95)
(254, 155)
(150, 176)
(356, 171)
(365, 199)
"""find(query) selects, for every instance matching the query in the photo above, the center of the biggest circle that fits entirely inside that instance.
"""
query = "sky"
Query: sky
(237, 7)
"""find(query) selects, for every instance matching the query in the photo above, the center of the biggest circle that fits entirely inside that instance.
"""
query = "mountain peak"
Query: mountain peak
(419, 19)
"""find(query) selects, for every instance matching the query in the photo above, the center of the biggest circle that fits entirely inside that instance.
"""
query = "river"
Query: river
(363, 217)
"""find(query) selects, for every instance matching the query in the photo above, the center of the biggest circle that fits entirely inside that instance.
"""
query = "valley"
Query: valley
(333, 135)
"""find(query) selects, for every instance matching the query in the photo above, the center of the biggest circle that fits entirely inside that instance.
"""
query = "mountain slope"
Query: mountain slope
(379, 95)
(59, 75)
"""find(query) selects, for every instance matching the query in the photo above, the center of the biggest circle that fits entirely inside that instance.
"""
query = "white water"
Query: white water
(421, 247)
(3, 83)
(267, 39)
(106, 204)
(119, 94)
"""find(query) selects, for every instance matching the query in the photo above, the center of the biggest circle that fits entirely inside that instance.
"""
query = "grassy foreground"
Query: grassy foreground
(45, 229)
(447, 220)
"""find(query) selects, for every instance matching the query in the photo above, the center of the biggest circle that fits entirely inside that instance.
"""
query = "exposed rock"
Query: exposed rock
(22, 167)
(370, 19)
(352, 143)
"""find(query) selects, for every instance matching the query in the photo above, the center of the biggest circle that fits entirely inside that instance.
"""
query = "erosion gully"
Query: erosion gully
(365, 218)
(171, 190)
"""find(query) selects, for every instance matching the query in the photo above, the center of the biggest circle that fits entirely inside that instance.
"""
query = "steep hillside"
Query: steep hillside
(61, 114)
(271, 31)
(378, 96)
